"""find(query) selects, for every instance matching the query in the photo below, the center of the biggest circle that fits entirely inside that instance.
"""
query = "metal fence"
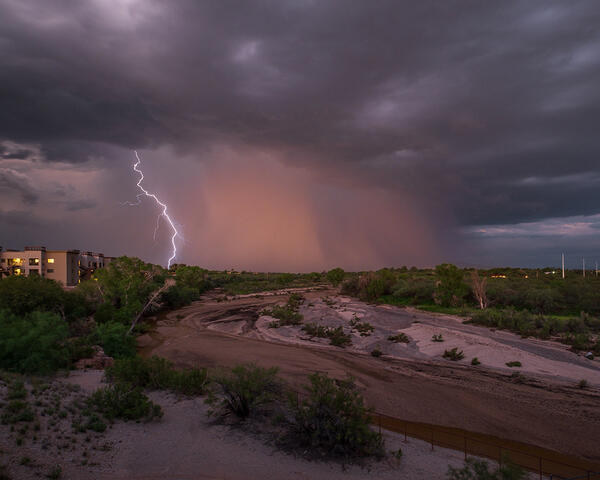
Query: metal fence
(547, 463)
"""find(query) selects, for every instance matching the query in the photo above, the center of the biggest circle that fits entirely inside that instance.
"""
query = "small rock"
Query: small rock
(99, 360)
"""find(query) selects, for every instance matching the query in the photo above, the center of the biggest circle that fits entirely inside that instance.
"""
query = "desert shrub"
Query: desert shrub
(437, 337)
(336, 335)
(113, 337)
(513, 364)
(158, 373)
(315, 330)
(244, 390)
(335, 276)
(582, 383)
(125, 402)
(338, 338)
(15, 411)
(475, 361)
(333, 420)
(480, 470)
(34, 343)
(454, 354)
(363, 328)
(376, 353)
(399, 338)
(288, 313)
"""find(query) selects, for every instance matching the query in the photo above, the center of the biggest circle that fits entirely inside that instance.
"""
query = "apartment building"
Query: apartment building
(68, 267)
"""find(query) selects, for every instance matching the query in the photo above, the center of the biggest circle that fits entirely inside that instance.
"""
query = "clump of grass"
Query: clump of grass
(376, 353)
(243, 391)
(55, 473)
(363, 328)
(399, 338)
(514, 364)
(480, 470)
(454, 354)
(287, 314)
(437, 337)
(475, 361)
(124, 401)
(582, 383)
(336, 335)
(17, 411)
(156, 373)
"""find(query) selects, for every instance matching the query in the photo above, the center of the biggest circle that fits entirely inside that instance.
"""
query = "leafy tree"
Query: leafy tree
(335, 276)
(34, 343)
(114, 340)
(22, 295)
(478, 286)
(450, 287)
(131, 286)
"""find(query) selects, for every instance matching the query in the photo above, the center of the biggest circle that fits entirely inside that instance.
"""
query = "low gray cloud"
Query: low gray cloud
(474, 113)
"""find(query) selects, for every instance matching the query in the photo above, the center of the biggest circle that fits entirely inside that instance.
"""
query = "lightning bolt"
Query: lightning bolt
(159, 203)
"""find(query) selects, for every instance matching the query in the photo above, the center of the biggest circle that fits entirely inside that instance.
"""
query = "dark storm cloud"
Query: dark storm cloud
(485, 112)
(14, 182)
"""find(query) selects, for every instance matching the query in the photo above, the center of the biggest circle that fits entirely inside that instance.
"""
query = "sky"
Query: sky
(303, 135)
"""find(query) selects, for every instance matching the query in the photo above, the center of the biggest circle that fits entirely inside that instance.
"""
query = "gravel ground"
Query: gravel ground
(186, 444)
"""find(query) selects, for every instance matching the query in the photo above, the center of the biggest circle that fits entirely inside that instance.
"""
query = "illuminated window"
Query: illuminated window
(17, 271)
(34, 261)
(50, 260)
(15, 261)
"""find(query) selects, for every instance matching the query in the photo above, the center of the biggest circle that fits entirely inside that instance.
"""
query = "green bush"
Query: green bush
(34, 343)
(376, 353)
(335, 276)
(454, 354)
(244, 390)
(125, 402)
(363, 328)
(114, 339)
(288, 313)
(333, 420)
(158, 374)
(22, 295)
(336, 335)
(513, 364)
(338, 338)
(399, 338)
(480, 470)
(475, 361)
(437, 338)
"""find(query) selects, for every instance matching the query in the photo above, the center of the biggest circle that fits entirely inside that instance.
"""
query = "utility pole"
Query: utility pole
(563, 265)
